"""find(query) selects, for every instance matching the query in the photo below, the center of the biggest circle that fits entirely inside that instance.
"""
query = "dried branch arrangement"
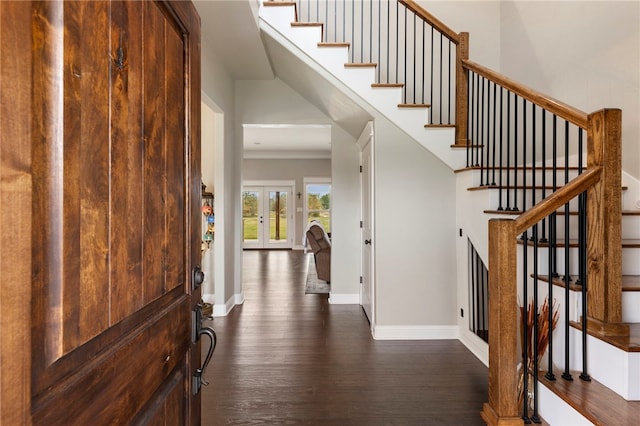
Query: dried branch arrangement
(527, 335)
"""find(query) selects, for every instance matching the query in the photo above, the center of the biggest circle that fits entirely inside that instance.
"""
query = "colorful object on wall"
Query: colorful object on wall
(209, 220)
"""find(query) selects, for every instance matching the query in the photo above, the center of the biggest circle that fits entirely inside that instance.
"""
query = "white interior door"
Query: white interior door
(367, 288)
(267, 217)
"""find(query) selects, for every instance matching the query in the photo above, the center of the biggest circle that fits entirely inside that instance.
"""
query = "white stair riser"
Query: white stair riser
(630, 260)
(492, 177)
(613, 367)
(359, 80)
(631, 306)
(631, 227)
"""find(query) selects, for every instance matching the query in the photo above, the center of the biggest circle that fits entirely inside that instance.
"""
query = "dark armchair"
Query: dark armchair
(321, 247)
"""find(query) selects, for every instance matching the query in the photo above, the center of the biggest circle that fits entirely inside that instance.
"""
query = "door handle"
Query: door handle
(367, 242)
(197, 331)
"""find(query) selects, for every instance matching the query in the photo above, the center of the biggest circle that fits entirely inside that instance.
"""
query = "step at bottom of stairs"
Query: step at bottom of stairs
(597, 403)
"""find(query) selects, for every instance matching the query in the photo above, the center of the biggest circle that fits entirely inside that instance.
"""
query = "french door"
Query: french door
(267, 217)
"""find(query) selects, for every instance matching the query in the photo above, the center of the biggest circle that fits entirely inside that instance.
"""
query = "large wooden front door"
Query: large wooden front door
(99, 213)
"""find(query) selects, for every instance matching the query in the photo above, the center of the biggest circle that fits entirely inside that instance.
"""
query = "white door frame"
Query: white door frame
(264, 187)
(367, 288)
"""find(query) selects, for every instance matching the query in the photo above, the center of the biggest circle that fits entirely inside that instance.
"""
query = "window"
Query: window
(318, 201)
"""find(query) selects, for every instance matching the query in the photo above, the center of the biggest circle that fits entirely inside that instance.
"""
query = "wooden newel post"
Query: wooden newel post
(502, 408)
(462, 89)
(604, 245)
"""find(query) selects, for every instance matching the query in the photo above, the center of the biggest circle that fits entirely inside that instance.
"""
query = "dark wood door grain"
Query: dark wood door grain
(105, 132)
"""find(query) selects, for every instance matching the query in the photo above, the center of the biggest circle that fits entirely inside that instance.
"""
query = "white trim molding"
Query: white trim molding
(415, 332)
(344, 299)
(223, 309)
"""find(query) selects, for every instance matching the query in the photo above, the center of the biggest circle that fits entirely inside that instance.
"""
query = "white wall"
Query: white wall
(207, 165)
(218, 87)
(481, 19)
(414, 235)
(584, 53)
(345, 218)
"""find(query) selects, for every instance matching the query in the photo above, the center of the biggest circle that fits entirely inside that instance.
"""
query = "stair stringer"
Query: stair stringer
(357, 82)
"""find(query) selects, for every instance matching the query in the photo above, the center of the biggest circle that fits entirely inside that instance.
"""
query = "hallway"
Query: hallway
(284, 357)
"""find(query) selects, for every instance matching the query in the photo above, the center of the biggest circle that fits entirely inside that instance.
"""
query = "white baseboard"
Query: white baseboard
(209, 298)
(344, 299)
(223, 309)
(476, 345)
(415, 332)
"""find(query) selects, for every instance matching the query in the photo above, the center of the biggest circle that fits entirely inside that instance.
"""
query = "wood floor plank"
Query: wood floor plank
(286, 358)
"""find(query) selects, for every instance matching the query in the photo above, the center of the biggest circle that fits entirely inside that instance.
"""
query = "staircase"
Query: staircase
(529, 191)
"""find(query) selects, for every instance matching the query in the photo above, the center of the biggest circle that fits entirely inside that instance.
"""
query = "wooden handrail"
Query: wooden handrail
(550, 104)
(431, 20)
(559, 198)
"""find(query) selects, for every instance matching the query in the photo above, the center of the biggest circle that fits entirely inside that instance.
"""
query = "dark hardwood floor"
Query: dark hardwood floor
(284, 357)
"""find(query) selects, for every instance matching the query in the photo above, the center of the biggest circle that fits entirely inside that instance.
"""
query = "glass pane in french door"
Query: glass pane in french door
(278, 217)
(250, 216)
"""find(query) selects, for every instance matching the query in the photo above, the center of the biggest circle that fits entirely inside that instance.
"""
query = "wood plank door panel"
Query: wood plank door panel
(115, 197)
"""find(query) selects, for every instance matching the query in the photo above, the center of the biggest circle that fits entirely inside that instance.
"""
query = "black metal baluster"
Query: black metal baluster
(567, 272)
(326, 23)
(371, 32)
(500, 171)
(549, 374)
(335, 22)
(469, 114)
(414, 60)
(554, 177)
(582, 214)
(481, 130)
(471, 139)
(525, 330)
(508, 168)
(544, 169)
(515, 154)
(533, 155)
(536, 325)
(441, 80)
(431, 78)
(524, 155)
(487, 137)
(449, 81)
(493, 168)
(582, 224)
(476, 141)
(379, 67)
(422, 63)
(485, 283)
(353, 28)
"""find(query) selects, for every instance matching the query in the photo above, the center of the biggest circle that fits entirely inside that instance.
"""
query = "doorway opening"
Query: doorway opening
(267, 217)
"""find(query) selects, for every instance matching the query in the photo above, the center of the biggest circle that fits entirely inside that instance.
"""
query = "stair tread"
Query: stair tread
(626, 243)
(360, 65)
(593, 400)
(630, 343)
(307, 24)
(333, 44)
(387, 85)
(414, 105)
(440, 125)
(629, 282)
(519, 187)
(559, 212)
(549, 169)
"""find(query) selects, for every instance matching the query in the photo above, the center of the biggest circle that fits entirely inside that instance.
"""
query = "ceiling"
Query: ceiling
(230, 27)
